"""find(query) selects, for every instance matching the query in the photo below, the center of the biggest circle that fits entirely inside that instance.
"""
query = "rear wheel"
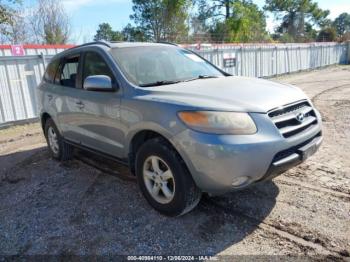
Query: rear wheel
(58, 148)
(164, 179)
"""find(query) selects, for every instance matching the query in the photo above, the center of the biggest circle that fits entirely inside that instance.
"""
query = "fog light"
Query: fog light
(240, 181)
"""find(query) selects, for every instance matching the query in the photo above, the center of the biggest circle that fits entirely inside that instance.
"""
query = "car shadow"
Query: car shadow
(9, 163)
(90, 206)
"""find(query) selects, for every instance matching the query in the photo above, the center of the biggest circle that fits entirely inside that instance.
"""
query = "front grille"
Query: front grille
(286, 118)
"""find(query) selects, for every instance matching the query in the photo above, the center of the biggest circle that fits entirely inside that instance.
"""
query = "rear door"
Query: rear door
(68, 110)
(48, 92)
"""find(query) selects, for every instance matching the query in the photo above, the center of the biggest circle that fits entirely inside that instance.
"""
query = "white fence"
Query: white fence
(271, 60)
(19, 76)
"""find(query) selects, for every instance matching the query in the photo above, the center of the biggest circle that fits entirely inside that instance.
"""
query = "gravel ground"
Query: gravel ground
(89, 206)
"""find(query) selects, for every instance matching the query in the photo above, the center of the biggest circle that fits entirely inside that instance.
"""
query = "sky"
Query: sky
(86, 15)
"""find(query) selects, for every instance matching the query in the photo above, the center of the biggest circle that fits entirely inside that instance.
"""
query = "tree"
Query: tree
(105, 32)
(327, 35)
(231, 20)
(6, 12)
(214, 8)
(17, 30)
(132, 34)
(345, 37)
(49, 22)
(210, 21)
(7, 15)
(342, 24)
(161, 20)
(246, 23)
(294, 14)
(310, 32)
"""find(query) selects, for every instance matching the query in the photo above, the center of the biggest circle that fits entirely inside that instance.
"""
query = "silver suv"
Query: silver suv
(182, 125)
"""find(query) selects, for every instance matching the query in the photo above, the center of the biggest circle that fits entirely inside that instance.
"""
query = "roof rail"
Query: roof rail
(167, 43)
(99, 42)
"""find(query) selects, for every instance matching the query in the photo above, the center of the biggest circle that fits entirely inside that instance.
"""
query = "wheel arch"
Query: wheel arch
(140, 138)
(43, 119)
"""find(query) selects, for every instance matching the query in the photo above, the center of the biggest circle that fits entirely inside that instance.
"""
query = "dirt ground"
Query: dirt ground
(89, 206)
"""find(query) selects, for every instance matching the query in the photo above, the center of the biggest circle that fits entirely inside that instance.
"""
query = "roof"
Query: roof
(136, 44)
(67, 47)
(105, 45)
(122, 44)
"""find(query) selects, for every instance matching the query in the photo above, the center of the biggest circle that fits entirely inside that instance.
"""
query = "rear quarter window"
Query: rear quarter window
(51, 71)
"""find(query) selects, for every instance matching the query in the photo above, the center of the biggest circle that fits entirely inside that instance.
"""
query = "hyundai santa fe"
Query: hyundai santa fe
(182, 125)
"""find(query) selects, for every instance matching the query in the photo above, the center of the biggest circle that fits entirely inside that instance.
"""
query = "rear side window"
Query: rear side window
(94, 64)
(68, 72)
(51, 71)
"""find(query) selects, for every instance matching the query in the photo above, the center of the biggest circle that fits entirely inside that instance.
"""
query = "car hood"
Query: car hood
(227, 93)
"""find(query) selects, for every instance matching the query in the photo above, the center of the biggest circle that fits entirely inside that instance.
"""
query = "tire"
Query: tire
(177, 192)
(59, 150)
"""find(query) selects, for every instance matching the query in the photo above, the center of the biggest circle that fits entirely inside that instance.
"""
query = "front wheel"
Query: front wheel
(164, 179)
(58, 148)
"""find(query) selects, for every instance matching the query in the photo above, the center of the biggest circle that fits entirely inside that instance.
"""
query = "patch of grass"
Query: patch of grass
(19, 130)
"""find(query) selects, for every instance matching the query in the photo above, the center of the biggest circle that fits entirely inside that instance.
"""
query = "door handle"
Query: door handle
(49, 97)
(80, 104)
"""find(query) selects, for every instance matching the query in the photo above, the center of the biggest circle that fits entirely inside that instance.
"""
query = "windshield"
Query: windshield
(156, 65)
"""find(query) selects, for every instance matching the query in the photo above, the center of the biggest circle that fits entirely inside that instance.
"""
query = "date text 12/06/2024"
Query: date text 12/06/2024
(172, 258)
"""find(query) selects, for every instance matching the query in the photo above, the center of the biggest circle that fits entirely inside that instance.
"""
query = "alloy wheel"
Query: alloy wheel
(53, 140)
(159, 179)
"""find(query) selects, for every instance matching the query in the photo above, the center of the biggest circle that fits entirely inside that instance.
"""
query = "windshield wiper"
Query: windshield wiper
(166, 82)
(201, 77)
(159, 83)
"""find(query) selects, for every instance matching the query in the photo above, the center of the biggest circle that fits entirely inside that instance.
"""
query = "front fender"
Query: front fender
(147, 126)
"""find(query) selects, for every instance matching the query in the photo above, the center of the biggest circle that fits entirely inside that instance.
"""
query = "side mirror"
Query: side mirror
(100, 83)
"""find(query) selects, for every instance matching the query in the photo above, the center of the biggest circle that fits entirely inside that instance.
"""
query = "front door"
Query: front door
(99, 112)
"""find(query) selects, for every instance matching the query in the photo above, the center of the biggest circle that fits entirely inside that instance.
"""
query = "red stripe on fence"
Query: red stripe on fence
(33, 46)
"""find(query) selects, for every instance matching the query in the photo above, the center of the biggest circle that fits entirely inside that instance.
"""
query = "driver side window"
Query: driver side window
(68, 73)
(94, 64)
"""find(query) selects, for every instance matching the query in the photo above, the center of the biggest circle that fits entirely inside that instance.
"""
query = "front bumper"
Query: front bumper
(218, 163)
(294, 156)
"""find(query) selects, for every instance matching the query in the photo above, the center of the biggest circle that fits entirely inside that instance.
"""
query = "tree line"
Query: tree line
(191, 21)
(182, 21)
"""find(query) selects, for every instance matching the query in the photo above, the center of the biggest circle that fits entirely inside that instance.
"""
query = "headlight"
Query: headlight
(219, 122)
